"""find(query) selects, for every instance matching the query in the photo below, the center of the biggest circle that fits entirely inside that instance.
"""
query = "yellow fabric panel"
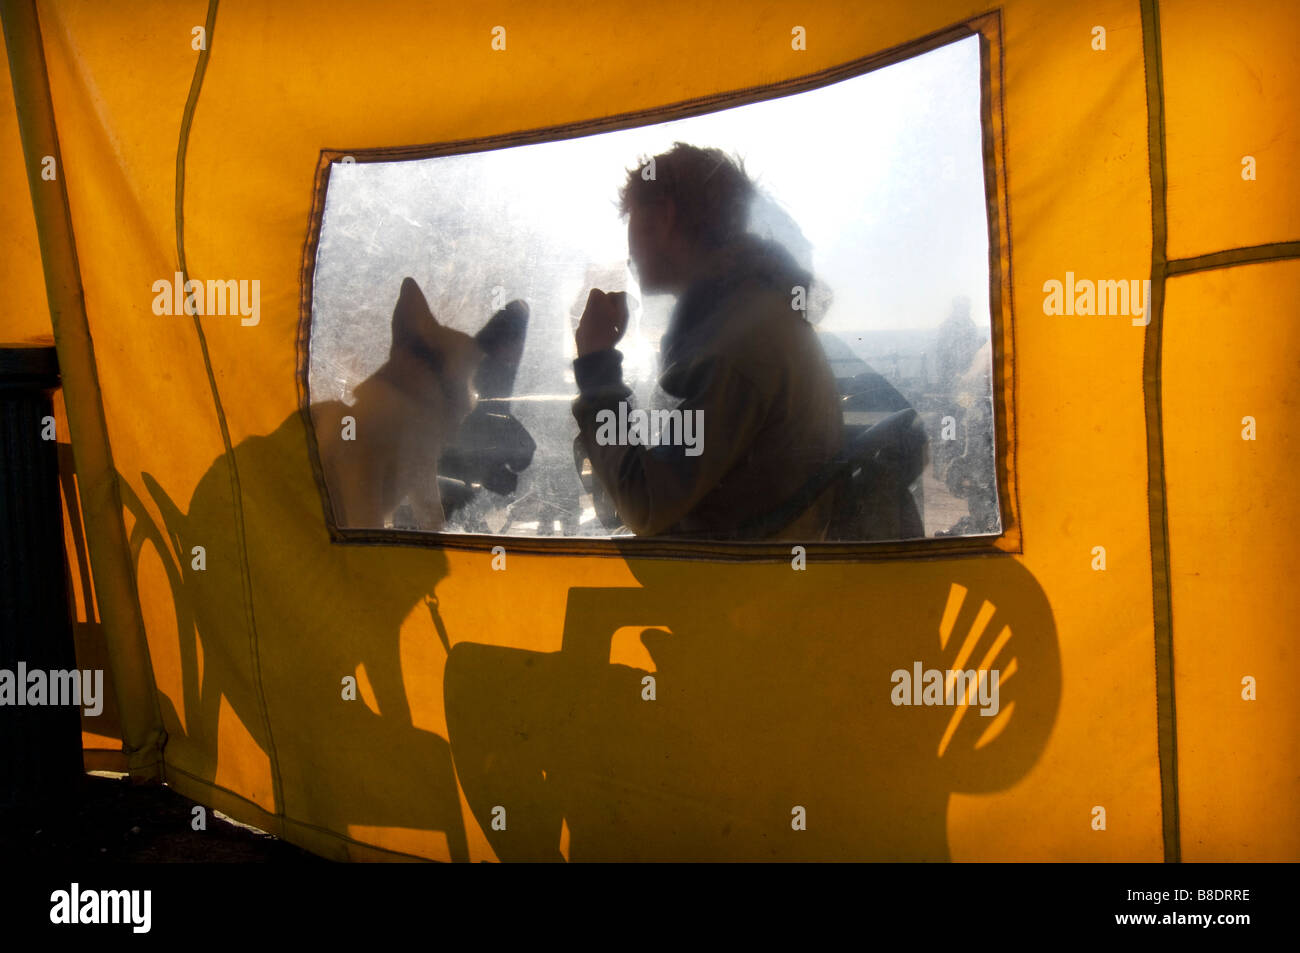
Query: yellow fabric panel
(791, 669)
(118, 117)
(1076, 155)
(1232, 350)
(1232, 81)
(25, 318)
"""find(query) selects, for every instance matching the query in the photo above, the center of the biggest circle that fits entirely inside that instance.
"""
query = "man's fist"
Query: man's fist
(603, 322)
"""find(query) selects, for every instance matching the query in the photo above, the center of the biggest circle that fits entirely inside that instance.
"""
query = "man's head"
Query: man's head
(681, 206)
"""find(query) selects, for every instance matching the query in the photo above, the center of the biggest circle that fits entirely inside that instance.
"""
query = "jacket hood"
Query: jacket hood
(750, 258)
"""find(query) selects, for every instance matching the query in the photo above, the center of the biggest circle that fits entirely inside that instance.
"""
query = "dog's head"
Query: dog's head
(447, 372)
(439, 363)
(429, 361)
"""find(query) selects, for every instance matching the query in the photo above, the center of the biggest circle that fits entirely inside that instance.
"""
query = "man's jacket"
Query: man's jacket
(737, 351)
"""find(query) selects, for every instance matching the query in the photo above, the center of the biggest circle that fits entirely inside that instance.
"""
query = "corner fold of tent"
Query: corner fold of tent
(143, 736)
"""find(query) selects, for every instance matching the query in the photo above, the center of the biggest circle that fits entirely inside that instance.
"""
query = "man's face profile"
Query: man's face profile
(650, 239)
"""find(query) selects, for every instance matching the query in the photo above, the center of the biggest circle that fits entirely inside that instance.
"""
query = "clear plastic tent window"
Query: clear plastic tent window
(875, 185)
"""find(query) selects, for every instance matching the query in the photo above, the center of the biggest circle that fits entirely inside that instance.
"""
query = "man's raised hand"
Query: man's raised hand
(603, 322)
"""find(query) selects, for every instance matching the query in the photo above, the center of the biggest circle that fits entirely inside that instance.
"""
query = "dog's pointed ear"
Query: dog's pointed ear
(502, 341)
(411, 318)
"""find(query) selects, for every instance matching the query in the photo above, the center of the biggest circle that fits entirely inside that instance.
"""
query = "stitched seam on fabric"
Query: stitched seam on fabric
(998, 209)
(303, 345)
(1231, 257)
(1013, 437)
(1157, 506)
(182, 148)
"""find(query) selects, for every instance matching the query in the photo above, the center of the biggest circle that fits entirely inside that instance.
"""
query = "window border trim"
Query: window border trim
(986, 26)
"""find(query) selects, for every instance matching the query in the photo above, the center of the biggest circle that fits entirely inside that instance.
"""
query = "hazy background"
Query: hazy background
(876, 183)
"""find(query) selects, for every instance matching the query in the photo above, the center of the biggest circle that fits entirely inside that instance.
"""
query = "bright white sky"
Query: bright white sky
(883, 173)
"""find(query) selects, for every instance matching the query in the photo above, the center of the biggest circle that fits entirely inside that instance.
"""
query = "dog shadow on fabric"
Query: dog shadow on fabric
(763, 717)
(299, 650)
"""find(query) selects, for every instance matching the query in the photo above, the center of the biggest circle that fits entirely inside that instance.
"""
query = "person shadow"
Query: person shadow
(258, 660)
(762, 719)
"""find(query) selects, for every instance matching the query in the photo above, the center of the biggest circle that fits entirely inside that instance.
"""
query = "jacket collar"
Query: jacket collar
(749, 259)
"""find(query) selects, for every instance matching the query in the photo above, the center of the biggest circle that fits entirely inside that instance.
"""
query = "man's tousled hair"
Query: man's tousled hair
(709, 190)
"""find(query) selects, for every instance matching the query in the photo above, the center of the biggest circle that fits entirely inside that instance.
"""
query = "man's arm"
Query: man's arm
(654, 487)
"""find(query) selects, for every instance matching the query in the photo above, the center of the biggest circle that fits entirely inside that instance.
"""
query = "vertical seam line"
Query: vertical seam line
(1157, 503)
(191, 105)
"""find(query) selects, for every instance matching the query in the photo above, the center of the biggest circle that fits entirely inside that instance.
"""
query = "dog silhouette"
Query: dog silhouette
(247, 652)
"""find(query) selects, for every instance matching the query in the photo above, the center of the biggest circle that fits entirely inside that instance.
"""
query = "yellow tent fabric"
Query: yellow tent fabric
(27, 320)
(1128, 693)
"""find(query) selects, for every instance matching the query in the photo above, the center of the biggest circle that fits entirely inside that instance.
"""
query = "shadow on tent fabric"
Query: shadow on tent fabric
(279, 660)
(759, 709)
(340, 764)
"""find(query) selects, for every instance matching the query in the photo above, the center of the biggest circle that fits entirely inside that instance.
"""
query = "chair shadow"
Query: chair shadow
(773, 692)
(340, 764)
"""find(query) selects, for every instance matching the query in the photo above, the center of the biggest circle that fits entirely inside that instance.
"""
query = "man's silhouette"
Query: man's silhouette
(738, 354)
(543, 736)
